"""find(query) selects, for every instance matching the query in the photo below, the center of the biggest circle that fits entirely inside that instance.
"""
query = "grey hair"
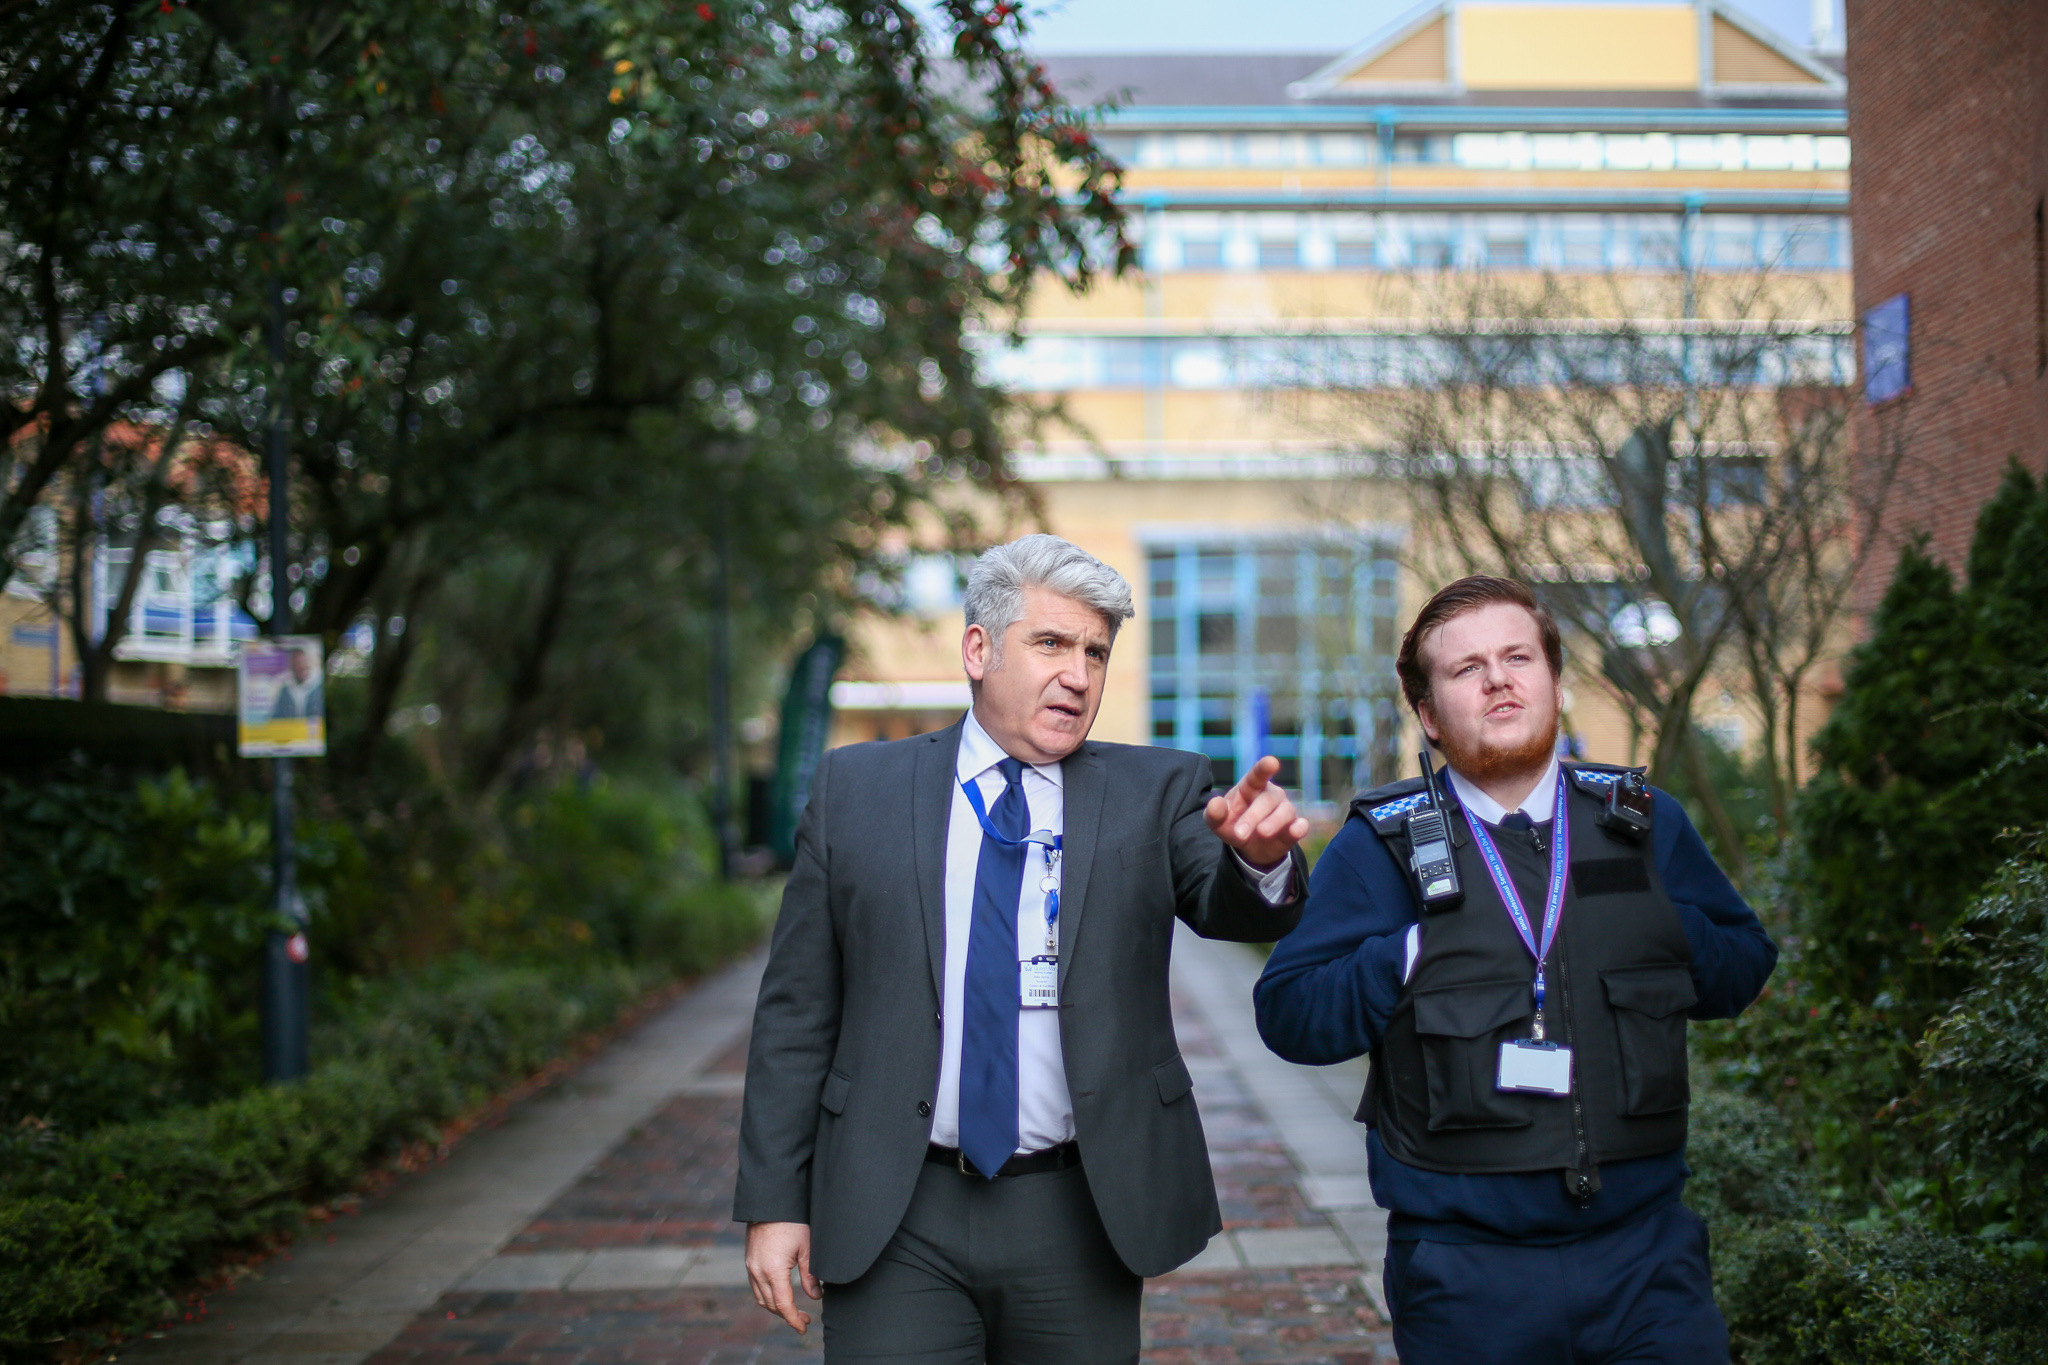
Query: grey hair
(996, 584)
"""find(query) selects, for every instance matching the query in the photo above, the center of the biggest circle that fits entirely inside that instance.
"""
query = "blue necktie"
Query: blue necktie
(988, 1034)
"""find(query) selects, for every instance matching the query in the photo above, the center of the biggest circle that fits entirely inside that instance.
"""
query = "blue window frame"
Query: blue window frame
(1304, 627)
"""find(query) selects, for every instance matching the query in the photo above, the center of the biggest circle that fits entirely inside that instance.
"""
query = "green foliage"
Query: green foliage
(1986, 1063)
(1808, 1294)
(1932, 750)
(1871, 1138)
(1744, 1165)
(130, 919)
(578, 300)
(132, 915)
(115, 1217)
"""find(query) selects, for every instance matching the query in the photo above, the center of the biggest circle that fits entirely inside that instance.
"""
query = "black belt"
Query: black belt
(1030, 1163)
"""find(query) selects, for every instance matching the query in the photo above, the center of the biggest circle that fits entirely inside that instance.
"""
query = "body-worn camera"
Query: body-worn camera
(1429, 850)
(1629, 807)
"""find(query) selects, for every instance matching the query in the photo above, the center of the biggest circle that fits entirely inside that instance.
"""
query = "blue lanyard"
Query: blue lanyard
(1553, 907)
(1047, 841)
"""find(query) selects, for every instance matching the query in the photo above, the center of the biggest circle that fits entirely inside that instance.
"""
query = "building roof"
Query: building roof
(1469, 55)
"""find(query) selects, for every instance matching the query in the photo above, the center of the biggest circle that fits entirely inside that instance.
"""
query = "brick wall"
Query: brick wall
(1948, 120)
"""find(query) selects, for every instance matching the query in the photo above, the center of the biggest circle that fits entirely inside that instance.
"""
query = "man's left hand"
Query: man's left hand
(1256, 818)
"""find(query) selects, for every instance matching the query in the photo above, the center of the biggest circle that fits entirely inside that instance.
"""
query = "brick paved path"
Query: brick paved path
(637, 1260)
(591, 1226)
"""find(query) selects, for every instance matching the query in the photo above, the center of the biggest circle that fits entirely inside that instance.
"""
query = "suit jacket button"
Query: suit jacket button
(924, 1109)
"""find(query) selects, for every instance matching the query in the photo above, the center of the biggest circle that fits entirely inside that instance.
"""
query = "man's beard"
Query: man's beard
(1485, 762)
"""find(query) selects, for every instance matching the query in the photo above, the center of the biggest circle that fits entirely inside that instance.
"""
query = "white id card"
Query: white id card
(1535, 1068)
(1040, 983)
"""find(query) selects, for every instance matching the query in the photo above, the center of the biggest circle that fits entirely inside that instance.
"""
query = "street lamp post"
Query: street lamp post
(284, 1011)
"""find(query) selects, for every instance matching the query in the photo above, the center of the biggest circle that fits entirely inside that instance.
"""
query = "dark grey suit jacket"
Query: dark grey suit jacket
(843, 1069)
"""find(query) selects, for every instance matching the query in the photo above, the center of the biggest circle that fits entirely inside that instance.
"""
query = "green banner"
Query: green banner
(806, 721)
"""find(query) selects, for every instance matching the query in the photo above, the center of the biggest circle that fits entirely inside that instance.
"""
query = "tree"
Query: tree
(545, 277)
(1671, 473)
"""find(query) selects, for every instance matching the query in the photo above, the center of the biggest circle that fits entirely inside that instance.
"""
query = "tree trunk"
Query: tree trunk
(530, 679)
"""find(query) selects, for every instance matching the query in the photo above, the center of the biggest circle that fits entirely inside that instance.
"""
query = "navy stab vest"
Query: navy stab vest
(1620, 983)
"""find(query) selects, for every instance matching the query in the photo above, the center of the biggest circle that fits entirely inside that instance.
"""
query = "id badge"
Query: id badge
(1040, 985)
(1533, 1068)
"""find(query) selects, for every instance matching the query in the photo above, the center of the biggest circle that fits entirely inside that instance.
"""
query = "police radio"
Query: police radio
(1629, 807)
(1429, 850)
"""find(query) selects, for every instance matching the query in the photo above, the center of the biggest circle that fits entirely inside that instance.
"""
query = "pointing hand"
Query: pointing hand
(1256, 818)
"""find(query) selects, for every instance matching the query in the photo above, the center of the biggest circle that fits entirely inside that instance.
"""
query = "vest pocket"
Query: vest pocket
(1461, 1029)
(1649, 1015)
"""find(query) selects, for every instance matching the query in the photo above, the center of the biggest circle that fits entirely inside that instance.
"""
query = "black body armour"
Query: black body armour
(1620, 984)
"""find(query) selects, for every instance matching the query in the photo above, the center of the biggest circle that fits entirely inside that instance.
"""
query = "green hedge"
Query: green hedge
(1818, 1294)
(96, 1230)
(1799, 1288)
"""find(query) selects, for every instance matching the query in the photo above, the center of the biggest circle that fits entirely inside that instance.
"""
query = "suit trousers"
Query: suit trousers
(1014, 1271)
(1637, 1294)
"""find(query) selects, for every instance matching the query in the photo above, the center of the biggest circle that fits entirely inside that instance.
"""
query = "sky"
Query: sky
(1276, 25)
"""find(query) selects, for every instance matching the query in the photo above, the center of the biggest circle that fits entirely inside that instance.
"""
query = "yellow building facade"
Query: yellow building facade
(1295, 208)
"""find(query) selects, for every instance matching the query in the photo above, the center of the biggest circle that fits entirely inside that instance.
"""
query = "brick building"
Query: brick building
(1948, 109)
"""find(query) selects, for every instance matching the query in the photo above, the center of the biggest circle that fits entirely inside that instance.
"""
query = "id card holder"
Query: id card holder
(1039, 983)
(1531, 1068)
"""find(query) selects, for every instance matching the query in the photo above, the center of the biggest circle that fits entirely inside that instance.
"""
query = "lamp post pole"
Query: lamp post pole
(284, 1012)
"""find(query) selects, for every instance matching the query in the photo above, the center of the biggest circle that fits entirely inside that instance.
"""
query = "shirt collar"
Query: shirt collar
(1540, 805)
(979, 753)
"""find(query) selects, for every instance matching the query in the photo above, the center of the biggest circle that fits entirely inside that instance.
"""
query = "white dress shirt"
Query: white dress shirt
(1539, 805)
(1045, 1111)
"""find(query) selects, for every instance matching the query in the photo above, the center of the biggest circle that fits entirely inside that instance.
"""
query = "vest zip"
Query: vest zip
(1582, 1182)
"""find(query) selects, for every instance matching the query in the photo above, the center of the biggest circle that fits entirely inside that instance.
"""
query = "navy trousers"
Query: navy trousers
(1638, 1294)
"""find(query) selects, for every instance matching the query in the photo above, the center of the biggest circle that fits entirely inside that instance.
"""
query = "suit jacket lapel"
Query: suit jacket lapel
(931, 812)
(1081, 776)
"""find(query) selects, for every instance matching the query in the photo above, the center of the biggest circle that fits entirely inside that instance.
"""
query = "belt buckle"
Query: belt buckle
(960, 1160)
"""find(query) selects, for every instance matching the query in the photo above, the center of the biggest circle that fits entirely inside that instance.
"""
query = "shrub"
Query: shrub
(1932, 749)
(1986, 1064)
(130, 919)
(1807, 1294)
(94, 1229)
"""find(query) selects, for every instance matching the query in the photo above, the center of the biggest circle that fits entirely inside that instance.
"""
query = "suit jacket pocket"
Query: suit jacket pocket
(1136, 855)
(1172, 1076)
(837, 1083)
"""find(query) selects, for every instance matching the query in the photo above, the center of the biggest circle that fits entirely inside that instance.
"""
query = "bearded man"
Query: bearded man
(1523, 997)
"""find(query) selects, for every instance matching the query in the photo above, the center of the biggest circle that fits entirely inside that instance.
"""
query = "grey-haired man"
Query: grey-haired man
(967, 1121)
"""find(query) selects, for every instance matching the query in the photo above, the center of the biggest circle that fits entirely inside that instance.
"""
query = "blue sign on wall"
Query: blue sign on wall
(1887, 350)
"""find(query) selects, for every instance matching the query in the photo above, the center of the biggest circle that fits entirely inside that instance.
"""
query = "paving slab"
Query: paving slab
(611, 1242)
(633, 1268)
(353, 1285)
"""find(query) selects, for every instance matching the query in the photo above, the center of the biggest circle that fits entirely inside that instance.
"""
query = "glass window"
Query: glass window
(1353, 254)
(1507, 253)
(1206, 255)
(1730, 241)
(1279, 255)
(1277, 635)
(1293, 621)
(1656, 243)
(1582, 242)
(1431, 252)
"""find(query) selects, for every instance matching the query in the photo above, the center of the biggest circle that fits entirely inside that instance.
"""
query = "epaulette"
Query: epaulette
(1595, 778)
(1385, 808)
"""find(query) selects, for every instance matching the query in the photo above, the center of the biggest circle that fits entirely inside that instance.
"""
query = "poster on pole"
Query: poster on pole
(280, 698)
